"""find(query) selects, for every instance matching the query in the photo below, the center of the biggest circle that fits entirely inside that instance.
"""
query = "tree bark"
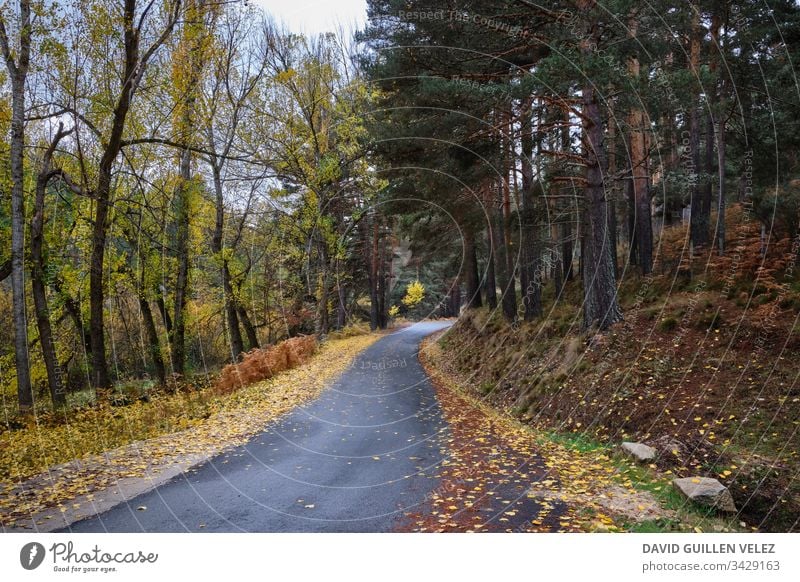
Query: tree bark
(471, 269)
(490, 282)
(567, 251)
(153, 342)
(234, 333)
(162, 309)
(640, 172)
(600, 293)
(182, 198)
(371, 248)
(133, 70)
(530, 274)
(453, 302)
(721, 193)
(38, 284)
(700, 220)
(18, 72)
(611, 183)
(192, 41)
(341, 306)
(504, 227)
(249, 328)
(508, 296)
(716, 29)
(383, 279)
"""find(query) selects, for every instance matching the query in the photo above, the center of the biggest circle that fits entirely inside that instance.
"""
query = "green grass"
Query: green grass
(687, 516)
(576, 441)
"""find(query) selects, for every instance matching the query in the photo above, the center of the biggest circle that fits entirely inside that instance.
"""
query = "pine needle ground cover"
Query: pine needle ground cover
(47, 464)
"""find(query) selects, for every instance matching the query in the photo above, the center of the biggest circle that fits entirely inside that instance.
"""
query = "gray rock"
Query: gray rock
(639, 451)
(707, 492)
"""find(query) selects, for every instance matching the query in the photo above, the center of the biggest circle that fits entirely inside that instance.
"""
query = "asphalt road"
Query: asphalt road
(353, 460)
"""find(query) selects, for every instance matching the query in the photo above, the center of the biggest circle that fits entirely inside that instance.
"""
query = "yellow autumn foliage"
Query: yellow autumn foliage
(194, 424)
(415, 293)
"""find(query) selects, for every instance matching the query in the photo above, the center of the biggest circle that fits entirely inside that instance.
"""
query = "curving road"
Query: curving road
(355, 459)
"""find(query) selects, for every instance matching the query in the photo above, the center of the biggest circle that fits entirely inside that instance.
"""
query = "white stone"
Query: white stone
(639, 451)
(707, 492)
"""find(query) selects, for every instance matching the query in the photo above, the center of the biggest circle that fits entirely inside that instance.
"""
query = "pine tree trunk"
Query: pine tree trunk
(708, 169)
(471, 269)
(699, 219)
(490, 282)
(510, 288)
(382, 284)
(717, 41)
(600, 293)
(557, 263)
(530, 275)
(640, 170)
(633, 240)
(454, 300)
(611, 188)
(721, 193)
(500, 257)
(567, 251)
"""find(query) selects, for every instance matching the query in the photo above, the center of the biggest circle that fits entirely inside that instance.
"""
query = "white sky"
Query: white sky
(315, 16)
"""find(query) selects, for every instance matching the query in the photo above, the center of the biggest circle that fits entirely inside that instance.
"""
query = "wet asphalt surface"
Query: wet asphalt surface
(354, 460)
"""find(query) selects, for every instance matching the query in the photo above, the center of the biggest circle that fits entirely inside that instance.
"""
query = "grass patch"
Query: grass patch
(577, 441)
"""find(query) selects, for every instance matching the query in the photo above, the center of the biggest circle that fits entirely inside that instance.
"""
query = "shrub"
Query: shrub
(351, 330)
(260, 364)
(668, 324)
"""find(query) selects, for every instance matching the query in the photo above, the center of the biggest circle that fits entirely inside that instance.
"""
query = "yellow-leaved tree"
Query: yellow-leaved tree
(415, 293)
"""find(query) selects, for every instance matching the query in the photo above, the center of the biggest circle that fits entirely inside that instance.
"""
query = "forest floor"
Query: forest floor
(504, 475)
(54, 470)
(704, 368)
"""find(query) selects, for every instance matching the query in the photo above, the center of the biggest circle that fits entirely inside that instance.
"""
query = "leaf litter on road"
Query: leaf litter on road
(502, 476)
(33, 501)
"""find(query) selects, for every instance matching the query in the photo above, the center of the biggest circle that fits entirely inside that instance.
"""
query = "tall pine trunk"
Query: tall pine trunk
(471, 269)
(490, 281)
(700, 219)
(716, 28)
(530, 275)
(500, 258)
(600, 294)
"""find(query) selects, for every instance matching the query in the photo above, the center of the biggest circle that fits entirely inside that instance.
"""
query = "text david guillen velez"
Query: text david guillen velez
(694, 548)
